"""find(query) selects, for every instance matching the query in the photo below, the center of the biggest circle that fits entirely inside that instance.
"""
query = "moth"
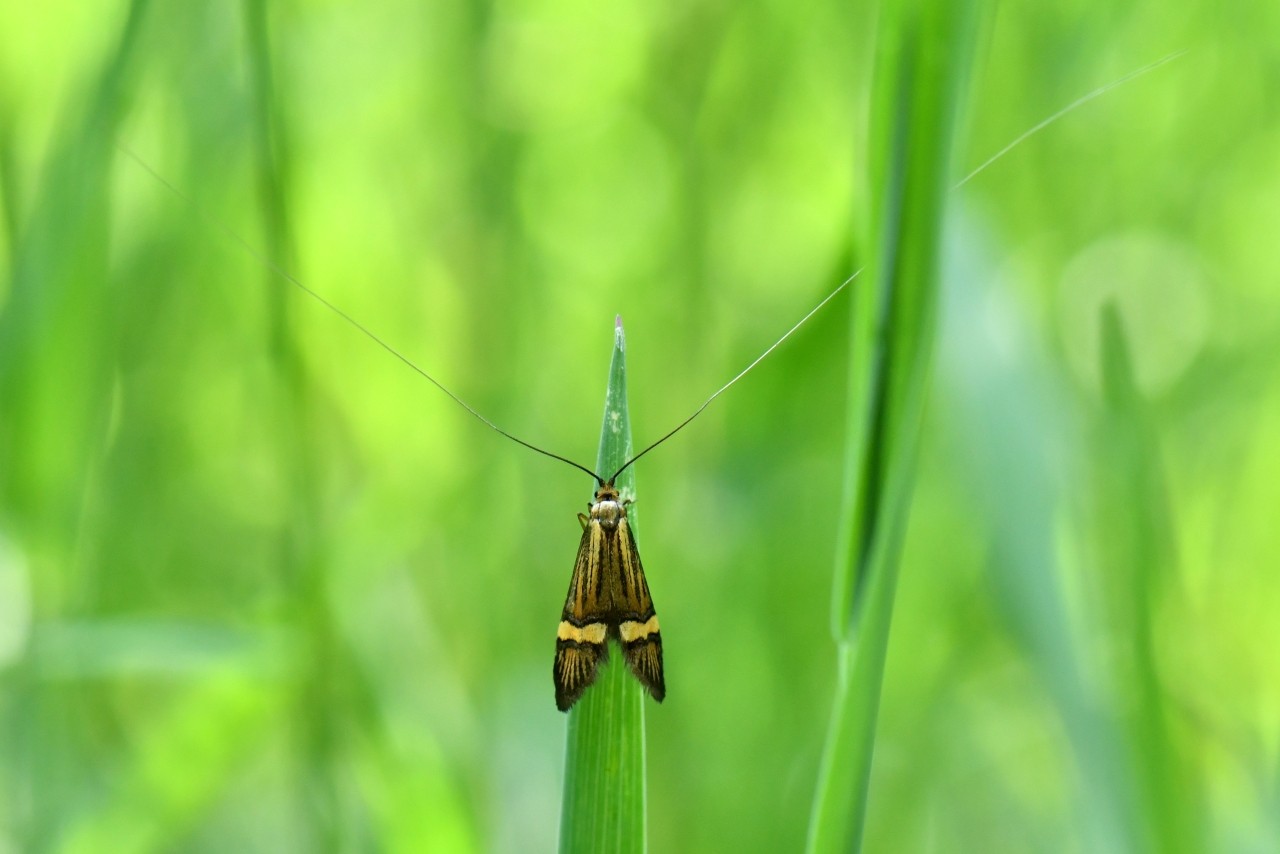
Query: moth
(608, 598)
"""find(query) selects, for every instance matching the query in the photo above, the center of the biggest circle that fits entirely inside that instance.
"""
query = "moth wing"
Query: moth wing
(582, 637)
(633, 611)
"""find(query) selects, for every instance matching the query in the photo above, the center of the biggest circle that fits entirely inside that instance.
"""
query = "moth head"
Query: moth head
(606, 492)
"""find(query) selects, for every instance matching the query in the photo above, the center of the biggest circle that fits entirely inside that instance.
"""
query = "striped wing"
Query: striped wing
(633, 613)
(608, 597)
(581, 640)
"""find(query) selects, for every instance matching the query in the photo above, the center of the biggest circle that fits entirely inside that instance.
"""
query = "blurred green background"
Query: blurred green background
(262, 588)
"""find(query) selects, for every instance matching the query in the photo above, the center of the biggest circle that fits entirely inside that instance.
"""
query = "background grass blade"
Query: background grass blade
(59, 319)
(604, 779)
(302, 570)
(923, 58)
(1137, 569)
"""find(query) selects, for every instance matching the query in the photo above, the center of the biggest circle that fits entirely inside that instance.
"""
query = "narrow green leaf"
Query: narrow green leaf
(924, 51)
(1133, 522)
(302, 566)
(604, 781)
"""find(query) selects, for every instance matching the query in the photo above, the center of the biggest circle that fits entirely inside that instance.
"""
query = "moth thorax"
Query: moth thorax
(608, 513)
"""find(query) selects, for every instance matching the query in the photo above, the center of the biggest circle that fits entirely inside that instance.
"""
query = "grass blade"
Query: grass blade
(604, 780)
(1136, 566)
(923, 56)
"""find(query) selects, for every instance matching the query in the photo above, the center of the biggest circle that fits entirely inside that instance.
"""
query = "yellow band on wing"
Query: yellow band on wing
(631, 630)
(590, 633)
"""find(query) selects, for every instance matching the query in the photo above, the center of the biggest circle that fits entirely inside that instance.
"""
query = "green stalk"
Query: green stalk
(301, 564)
(923, 54)
(604, 792)
(1138, 562)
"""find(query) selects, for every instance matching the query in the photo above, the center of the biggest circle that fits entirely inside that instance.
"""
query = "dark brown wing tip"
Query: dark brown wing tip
(575, 669)
(565, 701)
(644, 658)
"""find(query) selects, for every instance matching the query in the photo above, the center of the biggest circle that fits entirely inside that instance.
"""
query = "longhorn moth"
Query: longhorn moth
(608, 596)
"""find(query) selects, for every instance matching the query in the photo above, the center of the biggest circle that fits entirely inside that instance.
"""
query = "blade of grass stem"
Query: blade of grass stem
(302, 568)
(1007, 406)
(1138, 557)
(923, 54)
(59, 343)
(604, 781)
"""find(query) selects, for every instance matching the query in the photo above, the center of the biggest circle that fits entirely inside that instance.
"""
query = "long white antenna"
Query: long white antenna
(1078, 102)
(284, 274)
(288, 277)
(741, 374)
